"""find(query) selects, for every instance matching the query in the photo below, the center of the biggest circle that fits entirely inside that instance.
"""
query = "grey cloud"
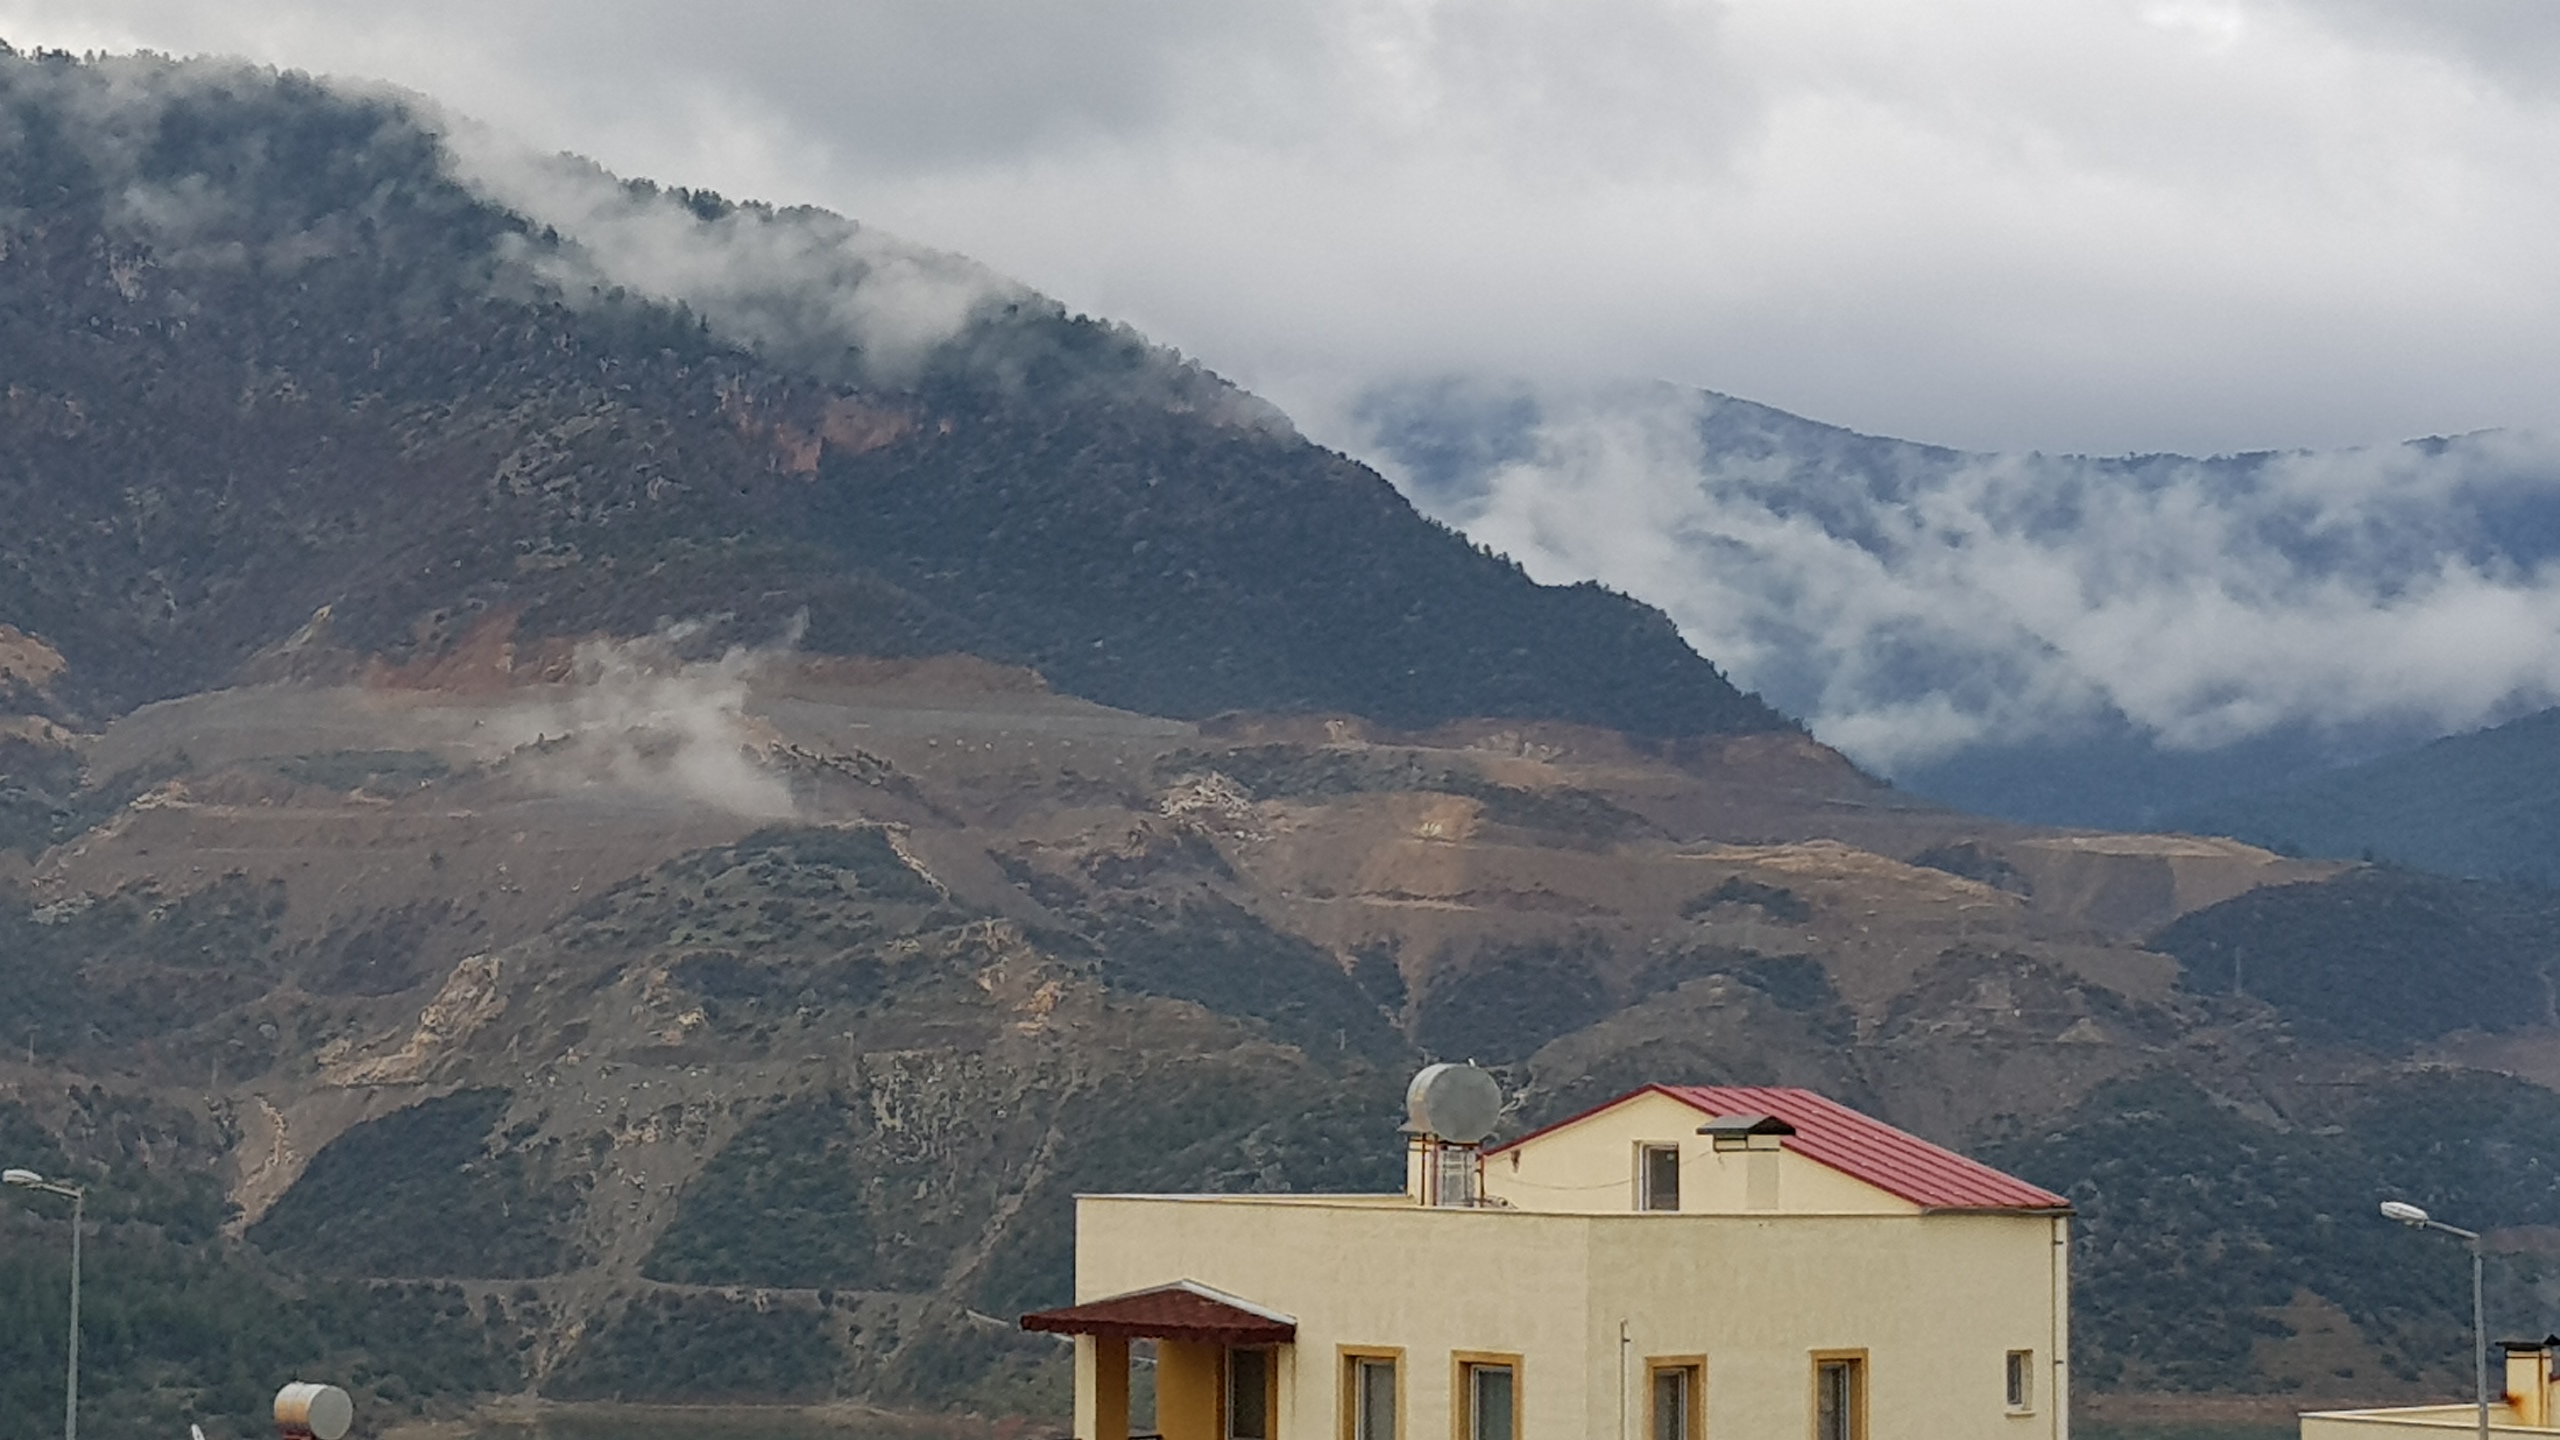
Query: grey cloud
(2194, 224)
(2515, 41)
(897, 86)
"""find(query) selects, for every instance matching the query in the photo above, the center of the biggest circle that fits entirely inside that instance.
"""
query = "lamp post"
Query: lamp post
(2417, 1219)
(30, 1180)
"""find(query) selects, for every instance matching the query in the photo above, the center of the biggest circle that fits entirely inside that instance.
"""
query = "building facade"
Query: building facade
(1680, 1263)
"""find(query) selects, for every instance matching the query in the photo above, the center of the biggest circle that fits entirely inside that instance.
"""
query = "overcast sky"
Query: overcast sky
(2096, 225)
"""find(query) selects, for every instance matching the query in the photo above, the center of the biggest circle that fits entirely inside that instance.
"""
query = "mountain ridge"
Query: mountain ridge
(2479, 805)
(360, 310)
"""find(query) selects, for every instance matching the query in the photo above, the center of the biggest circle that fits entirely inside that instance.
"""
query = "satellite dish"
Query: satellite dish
(305, 1411)
(1457, 1103)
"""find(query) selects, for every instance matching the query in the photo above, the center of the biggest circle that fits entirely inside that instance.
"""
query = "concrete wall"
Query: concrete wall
(1934, 1302)
(1589, 1167)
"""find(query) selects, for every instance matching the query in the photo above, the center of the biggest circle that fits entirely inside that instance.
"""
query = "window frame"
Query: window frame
(1645, 1151)
(1856, 1360)
(1346, 1372)
(1462, 1391)
(2018, 1382)
(1693, 1372)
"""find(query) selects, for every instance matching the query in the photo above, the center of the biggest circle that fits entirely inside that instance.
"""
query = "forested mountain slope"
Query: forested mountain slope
(261, 352)
(2485, 805)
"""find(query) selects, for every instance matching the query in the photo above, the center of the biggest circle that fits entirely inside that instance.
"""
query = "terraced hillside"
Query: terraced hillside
(742, 1028)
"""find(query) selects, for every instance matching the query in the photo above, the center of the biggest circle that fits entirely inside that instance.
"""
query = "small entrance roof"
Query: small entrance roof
(1183, 1310)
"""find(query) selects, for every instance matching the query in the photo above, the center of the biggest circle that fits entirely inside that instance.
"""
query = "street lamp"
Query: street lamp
(30, 1180)
(2417, 1219)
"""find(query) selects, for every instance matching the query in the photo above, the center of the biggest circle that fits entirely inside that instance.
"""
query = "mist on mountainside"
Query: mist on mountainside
(2060, 638)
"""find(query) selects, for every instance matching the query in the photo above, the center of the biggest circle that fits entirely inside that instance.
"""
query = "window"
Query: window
(1839, 1397)
(1248, 1395)
(1659, 1177)
(2022, 1380)
(1491, 1399)
(1369, 1395)
(1676, 1408)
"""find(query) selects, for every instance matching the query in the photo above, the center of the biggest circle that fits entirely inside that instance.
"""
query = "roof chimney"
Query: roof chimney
(2529, 1378)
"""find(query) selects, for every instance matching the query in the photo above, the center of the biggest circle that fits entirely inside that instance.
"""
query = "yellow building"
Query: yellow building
(1682, 1262)
(2527, 1405)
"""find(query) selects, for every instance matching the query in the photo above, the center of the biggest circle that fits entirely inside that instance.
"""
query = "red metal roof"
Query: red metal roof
(1894, 1161)
(1183, 1310)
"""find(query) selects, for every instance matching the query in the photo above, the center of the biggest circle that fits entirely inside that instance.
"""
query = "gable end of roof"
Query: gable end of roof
(1901, 1164)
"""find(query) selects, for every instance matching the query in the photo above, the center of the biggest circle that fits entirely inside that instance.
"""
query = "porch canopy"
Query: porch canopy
(1183, 1310)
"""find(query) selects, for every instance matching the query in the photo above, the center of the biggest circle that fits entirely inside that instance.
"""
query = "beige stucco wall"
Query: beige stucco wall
(1589, 1167)
(1936, 1302)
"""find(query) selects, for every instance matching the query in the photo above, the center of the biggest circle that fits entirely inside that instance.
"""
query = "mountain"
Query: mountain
(266, 358)
(2485, 805)
(614, 797)
(2062, 639)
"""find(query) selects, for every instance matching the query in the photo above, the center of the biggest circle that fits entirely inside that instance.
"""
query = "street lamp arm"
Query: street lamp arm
(30, 1180)
(2402, 1212)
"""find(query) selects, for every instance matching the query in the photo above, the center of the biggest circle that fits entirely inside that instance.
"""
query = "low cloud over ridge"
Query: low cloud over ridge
(1913, 602)
(2113, 224)
(800, 285)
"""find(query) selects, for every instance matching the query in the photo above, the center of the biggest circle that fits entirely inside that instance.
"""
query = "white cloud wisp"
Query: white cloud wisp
(1912, 602)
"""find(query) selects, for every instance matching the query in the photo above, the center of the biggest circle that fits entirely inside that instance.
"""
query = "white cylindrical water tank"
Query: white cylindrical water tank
(305, 1411)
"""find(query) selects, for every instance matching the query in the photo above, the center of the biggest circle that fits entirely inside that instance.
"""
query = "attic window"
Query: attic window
(1746, 1132)
(1658, 1177)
